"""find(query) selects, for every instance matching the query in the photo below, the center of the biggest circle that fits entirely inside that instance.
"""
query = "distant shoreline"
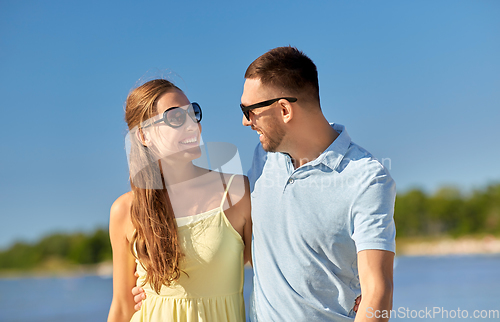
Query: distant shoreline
(418, 246)
(440, 246)
(103, 269)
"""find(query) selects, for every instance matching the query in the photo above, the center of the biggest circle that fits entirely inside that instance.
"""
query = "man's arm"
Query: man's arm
(375, 269)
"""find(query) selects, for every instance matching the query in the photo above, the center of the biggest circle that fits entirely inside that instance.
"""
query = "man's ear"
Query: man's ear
(143, 137)
(286, 110)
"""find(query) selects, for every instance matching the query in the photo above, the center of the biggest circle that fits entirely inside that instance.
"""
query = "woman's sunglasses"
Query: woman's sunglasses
(176, 116)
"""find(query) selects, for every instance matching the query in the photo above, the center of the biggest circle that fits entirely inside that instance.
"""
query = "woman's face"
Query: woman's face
(179, 143)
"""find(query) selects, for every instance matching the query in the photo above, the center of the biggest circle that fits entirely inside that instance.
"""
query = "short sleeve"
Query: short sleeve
(373, 214)
(258, 162)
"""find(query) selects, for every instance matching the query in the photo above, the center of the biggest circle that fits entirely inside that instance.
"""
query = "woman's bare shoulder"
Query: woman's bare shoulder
(239, 186)
(120, 210)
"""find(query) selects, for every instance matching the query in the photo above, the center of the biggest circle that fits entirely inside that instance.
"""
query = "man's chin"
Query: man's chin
(264, 143)
(268, 148)
(269, 145)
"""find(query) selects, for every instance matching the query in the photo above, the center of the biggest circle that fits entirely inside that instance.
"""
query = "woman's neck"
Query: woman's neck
(175, 173)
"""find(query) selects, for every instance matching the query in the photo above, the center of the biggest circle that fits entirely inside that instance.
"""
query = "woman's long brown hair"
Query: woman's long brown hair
(155, 238)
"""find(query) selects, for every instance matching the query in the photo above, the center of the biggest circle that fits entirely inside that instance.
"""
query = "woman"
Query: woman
(185, 229)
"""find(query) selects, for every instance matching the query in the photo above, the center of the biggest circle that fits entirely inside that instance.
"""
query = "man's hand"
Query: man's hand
(139, 295)
(356, 304)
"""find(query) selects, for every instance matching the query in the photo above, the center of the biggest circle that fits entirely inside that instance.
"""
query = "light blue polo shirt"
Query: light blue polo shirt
(308, 225)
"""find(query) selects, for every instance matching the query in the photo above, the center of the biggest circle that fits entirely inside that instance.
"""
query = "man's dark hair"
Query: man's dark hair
(287, 68)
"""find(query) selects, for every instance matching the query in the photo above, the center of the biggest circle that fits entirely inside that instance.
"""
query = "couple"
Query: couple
(321, 210)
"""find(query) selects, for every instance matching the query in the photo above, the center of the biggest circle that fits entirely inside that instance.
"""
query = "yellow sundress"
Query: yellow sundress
(212, 290)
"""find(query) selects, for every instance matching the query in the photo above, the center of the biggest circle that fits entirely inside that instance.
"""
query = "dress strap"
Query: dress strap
(226, 191)
(134, 248)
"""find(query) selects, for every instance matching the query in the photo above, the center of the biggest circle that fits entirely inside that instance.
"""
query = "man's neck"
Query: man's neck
(313, 139)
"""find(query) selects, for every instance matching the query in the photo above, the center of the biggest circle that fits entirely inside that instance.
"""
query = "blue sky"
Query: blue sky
(414, 82)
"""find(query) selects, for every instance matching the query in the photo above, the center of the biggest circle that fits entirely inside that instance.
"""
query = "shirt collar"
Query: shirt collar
(334, 154)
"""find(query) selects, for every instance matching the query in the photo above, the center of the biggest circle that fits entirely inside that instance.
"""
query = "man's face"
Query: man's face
(265, 120)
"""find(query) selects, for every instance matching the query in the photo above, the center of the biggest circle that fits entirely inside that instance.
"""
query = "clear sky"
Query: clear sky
(416, 83)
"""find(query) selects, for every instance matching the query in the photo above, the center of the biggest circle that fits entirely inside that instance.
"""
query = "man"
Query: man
(322, 207)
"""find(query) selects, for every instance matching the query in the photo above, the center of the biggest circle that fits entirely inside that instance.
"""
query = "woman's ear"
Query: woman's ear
(143, 137)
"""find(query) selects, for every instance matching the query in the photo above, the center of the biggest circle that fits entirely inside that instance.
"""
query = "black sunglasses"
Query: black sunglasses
(246, 109)
(176, 116)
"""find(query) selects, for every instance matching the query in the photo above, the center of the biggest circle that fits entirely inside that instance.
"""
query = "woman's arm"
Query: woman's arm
(239, 212)
(120, 230)
(247, 229)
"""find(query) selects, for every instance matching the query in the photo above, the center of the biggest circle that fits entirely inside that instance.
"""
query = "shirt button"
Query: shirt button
(290, 180)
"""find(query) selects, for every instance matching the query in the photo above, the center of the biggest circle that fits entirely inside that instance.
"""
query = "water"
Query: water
(75, 299)
(421, 286)
(437, 284)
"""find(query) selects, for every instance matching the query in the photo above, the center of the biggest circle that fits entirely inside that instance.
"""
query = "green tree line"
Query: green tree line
(446, 212)
(76, 248)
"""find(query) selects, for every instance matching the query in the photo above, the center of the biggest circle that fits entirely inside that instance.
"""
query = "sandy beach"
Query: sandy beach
(448, 246)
